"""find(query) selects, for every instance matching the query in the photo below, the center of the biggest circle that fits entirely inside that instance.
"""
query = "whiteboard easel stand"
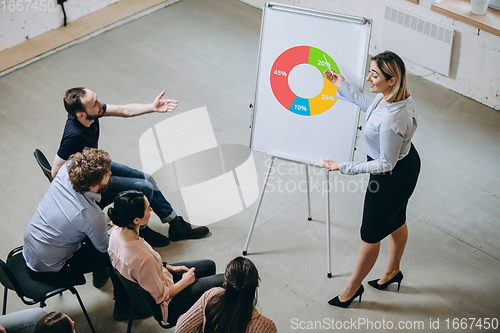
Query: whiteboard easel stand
(280, 31)
(309, 217)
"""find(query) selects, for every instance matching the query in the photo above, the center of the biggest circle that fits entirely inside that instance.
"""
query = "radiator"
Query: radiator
(418, 40)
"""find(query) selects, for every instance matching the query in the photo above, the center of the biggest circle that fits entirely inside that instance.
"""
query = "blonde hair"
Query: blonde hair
(391, 66)
(88, 168)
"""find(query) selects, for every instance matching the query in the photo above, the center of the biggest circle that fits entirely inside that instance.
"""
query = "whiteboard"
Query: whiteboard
(296, 115)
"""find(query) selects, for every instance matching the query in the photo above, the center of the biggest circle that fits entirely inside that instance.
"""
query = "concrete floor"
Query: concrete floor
(204, 53)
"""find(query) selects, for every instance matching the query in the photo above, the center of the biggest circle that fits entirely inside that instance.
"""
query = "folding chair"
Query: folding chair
(16, 275)
(44, 164)
(142, 300)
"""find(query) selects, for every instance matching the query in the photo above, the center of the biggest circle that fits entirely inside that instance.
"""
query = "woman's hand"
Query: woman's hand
(334, 77)
(177, 269)
(331, 165)
(189, 277)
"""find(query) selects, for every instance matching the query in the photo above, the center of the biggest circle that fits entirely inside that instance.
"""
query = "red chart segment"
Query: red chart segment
(280, 71)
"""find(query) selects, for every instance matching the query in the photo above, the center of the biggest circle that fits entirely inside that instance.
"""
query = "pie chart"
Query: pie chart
(280, 70)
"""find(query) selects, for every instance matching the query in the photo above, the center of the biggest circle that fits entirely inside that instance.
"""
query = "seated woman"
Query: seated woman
(176, 287)
(229, 309)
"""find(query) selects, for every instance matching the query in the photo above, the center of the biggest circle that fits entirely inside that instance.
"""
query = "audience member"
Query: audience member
(55, 322)
(176, 287)
(231, 308)
(23, 321)
(68, 234)
(82, 130)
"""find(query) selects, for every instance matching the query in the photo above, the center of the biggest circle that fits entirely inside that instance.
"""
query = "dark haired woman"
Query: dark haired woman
(176, 287)
(229, 309)
(55, 322)
(393, 165)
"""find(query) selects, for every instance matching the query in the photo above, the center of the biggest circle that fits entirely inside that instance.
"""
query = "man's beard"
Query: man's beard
(103, 188)
(99, 115)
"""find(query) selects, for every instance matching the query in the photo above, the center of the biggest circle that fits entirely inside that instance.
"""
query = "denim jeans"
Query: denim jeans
(124, 178)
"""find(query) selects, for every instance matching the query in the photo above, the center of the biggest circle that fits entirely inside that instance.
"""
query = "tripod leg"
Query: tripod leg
(258, 206)
(328, 245)
(309, 217)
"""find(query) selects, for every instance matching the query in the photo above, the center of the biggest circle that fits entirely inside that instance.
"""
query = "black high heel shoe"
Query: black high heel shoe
(337, 302)
(397, 278)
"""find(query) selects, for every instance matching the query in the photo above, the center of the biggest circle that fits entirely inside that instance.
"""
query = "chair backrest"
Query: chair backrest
(142, 299)
(44, 164)
(7, 278)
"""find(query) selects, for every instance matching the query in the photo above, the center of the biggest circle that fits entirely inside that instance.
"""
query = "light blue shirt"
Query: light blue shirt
(387, 134)
(62, 220)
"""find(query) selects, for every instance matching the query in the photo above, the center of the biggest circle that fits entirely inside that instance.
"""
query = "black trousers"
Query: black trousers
(85, 260)
(205, 280)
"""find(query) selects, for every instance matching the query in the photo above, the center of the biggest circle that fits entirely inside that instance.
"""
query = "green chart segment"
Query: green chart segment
(282, 66)
(317, 60)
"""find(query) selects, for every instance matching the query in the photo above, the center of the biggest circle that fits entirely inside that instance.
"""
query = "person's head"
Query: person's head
(55, 322)
(231, 311)
(82, 103)
(90, 170)
(241, 276)
(388, 76)
(130, 209)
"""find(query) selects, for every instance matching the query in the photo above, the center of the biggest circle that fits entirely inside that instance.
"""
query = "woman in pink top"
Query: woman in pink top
(176, 287)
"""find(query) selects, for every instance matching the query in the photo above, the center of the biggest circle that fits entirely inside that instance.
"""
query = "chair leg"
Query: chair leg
(73, 290)
(130, 318)
(4, 309)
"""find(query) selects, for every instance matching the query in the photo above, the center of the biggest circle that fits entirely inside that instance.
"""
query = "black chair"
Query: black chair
(44, 164)
(15, 275)
(143, 301)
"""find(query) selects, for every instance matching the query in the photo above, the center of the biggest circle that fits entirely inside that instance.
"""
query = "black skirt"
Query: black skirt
(387, 196)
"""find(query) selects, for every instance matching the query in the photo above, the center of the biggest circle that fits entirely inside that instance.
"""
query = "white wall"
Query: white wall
(19, 23)
(475, 67)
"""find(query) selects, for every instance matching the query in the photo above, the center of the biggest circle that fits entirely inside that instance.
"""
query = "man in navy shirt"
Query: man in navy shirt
(82, 130)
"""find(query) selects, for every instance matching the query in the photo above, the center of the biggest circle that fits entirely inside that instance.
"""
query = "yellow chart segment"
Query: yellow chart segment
(325, 100)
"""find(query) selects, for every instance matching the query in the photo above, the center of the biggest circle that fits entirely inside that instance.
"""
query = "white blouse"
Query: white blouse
(387, 134)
